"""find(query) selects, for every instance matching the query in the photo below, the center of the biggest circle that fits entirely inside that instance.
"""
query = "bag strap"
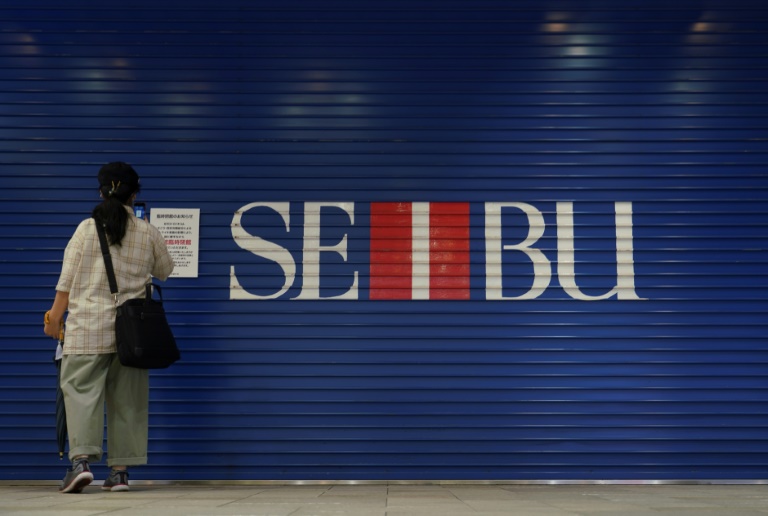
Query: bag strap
(150, 287)
(107, 259)
(111, 270)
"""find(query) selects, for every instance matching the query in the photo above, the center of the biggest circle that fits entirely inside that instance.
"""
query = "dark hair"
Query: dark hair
(117, 184)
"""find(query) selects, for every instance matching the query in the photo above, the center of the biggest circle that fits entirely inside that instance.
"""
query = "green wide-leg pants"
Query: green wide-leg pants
(88, 381)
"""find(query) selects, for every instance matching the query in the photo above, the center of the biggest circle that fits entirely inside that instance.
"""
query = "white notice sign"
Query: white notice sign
(181, 229)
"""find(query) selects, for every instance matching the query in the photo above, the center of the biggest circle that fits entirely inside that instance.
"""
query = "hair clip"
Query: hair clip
(114, 188)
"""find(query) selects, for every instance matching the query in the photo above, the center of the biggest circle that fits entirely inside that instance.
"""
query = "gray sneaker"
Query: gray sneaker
(77, 477)
(116, 481)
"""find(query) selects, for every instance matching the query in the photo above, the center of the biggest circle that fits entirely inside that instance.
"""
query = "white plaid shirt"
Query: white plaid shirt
(90, 325)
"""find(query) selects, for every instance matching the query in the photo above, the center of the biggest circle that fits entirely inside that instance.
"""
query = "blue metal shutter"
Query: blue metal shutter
(659, 106)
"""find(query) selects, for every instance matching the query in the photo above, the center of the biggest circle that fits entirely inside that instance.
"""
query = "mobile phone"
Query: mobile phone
(140, 209)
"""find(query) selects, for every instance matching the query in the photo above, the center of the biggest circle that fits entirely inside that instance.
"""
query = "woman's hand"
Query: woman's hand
(53, 326)
(54, 318)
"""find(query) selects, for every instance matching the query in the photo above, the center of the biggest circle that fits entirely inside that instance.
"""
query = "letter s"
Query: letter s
(264, 248)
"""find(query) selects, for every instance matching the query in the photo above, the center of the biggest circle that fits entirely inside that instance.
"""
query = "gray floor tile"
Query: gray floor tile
(390, 500)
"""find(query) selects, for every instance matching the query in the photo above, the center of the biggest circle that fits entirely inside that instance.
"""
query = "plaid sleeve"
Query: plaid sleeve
(163, 261)
(72, 257)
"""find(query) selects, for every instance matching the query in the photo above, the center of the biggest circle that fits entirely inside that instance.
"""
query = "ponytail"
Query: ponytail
(118, 182)
(111, 213)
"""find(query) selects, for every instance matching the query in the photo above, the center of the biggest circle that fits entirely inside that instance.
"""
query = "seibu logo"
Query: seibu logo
(422, 251)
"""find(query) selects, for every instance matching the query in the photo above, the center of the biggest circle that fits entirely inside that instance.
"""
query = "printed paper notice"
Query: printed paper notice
(181, 229)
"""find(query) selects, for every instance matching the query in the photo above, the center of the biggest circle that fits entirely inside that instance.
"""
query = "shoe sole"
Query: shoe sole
(78, 484)
(116, 489)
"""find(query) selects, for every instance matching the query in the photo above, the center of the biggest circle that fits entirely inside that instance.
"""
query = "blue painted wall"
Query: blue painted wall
(659, 107)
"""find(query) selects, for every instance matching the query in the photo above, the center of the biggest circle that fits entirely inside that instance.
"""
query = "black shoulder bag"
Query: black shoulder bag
(144, 338)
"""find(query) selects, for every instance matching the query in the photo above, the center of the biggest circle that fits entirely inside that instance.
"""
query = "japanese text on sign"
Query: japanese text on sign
(181, 229)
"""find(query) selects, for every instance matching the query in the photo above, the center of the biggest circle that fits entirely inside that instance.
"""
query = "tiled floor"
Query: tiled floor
(391, 500)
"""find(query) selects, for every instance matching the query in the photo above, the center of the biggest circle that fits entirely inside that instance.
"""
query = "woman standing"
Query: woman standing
(91, 373)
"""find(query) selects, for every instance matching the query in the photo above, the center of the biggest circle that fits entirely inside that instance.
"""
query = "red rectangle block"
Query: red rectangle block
(391, 250)
(449, 250)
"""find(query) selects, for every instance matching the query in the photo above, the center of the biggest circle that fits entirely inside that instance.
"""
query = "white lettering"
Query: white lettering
(495, 249)
(542, 270)
(312, 249)
(264, 248)
(625, 263)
